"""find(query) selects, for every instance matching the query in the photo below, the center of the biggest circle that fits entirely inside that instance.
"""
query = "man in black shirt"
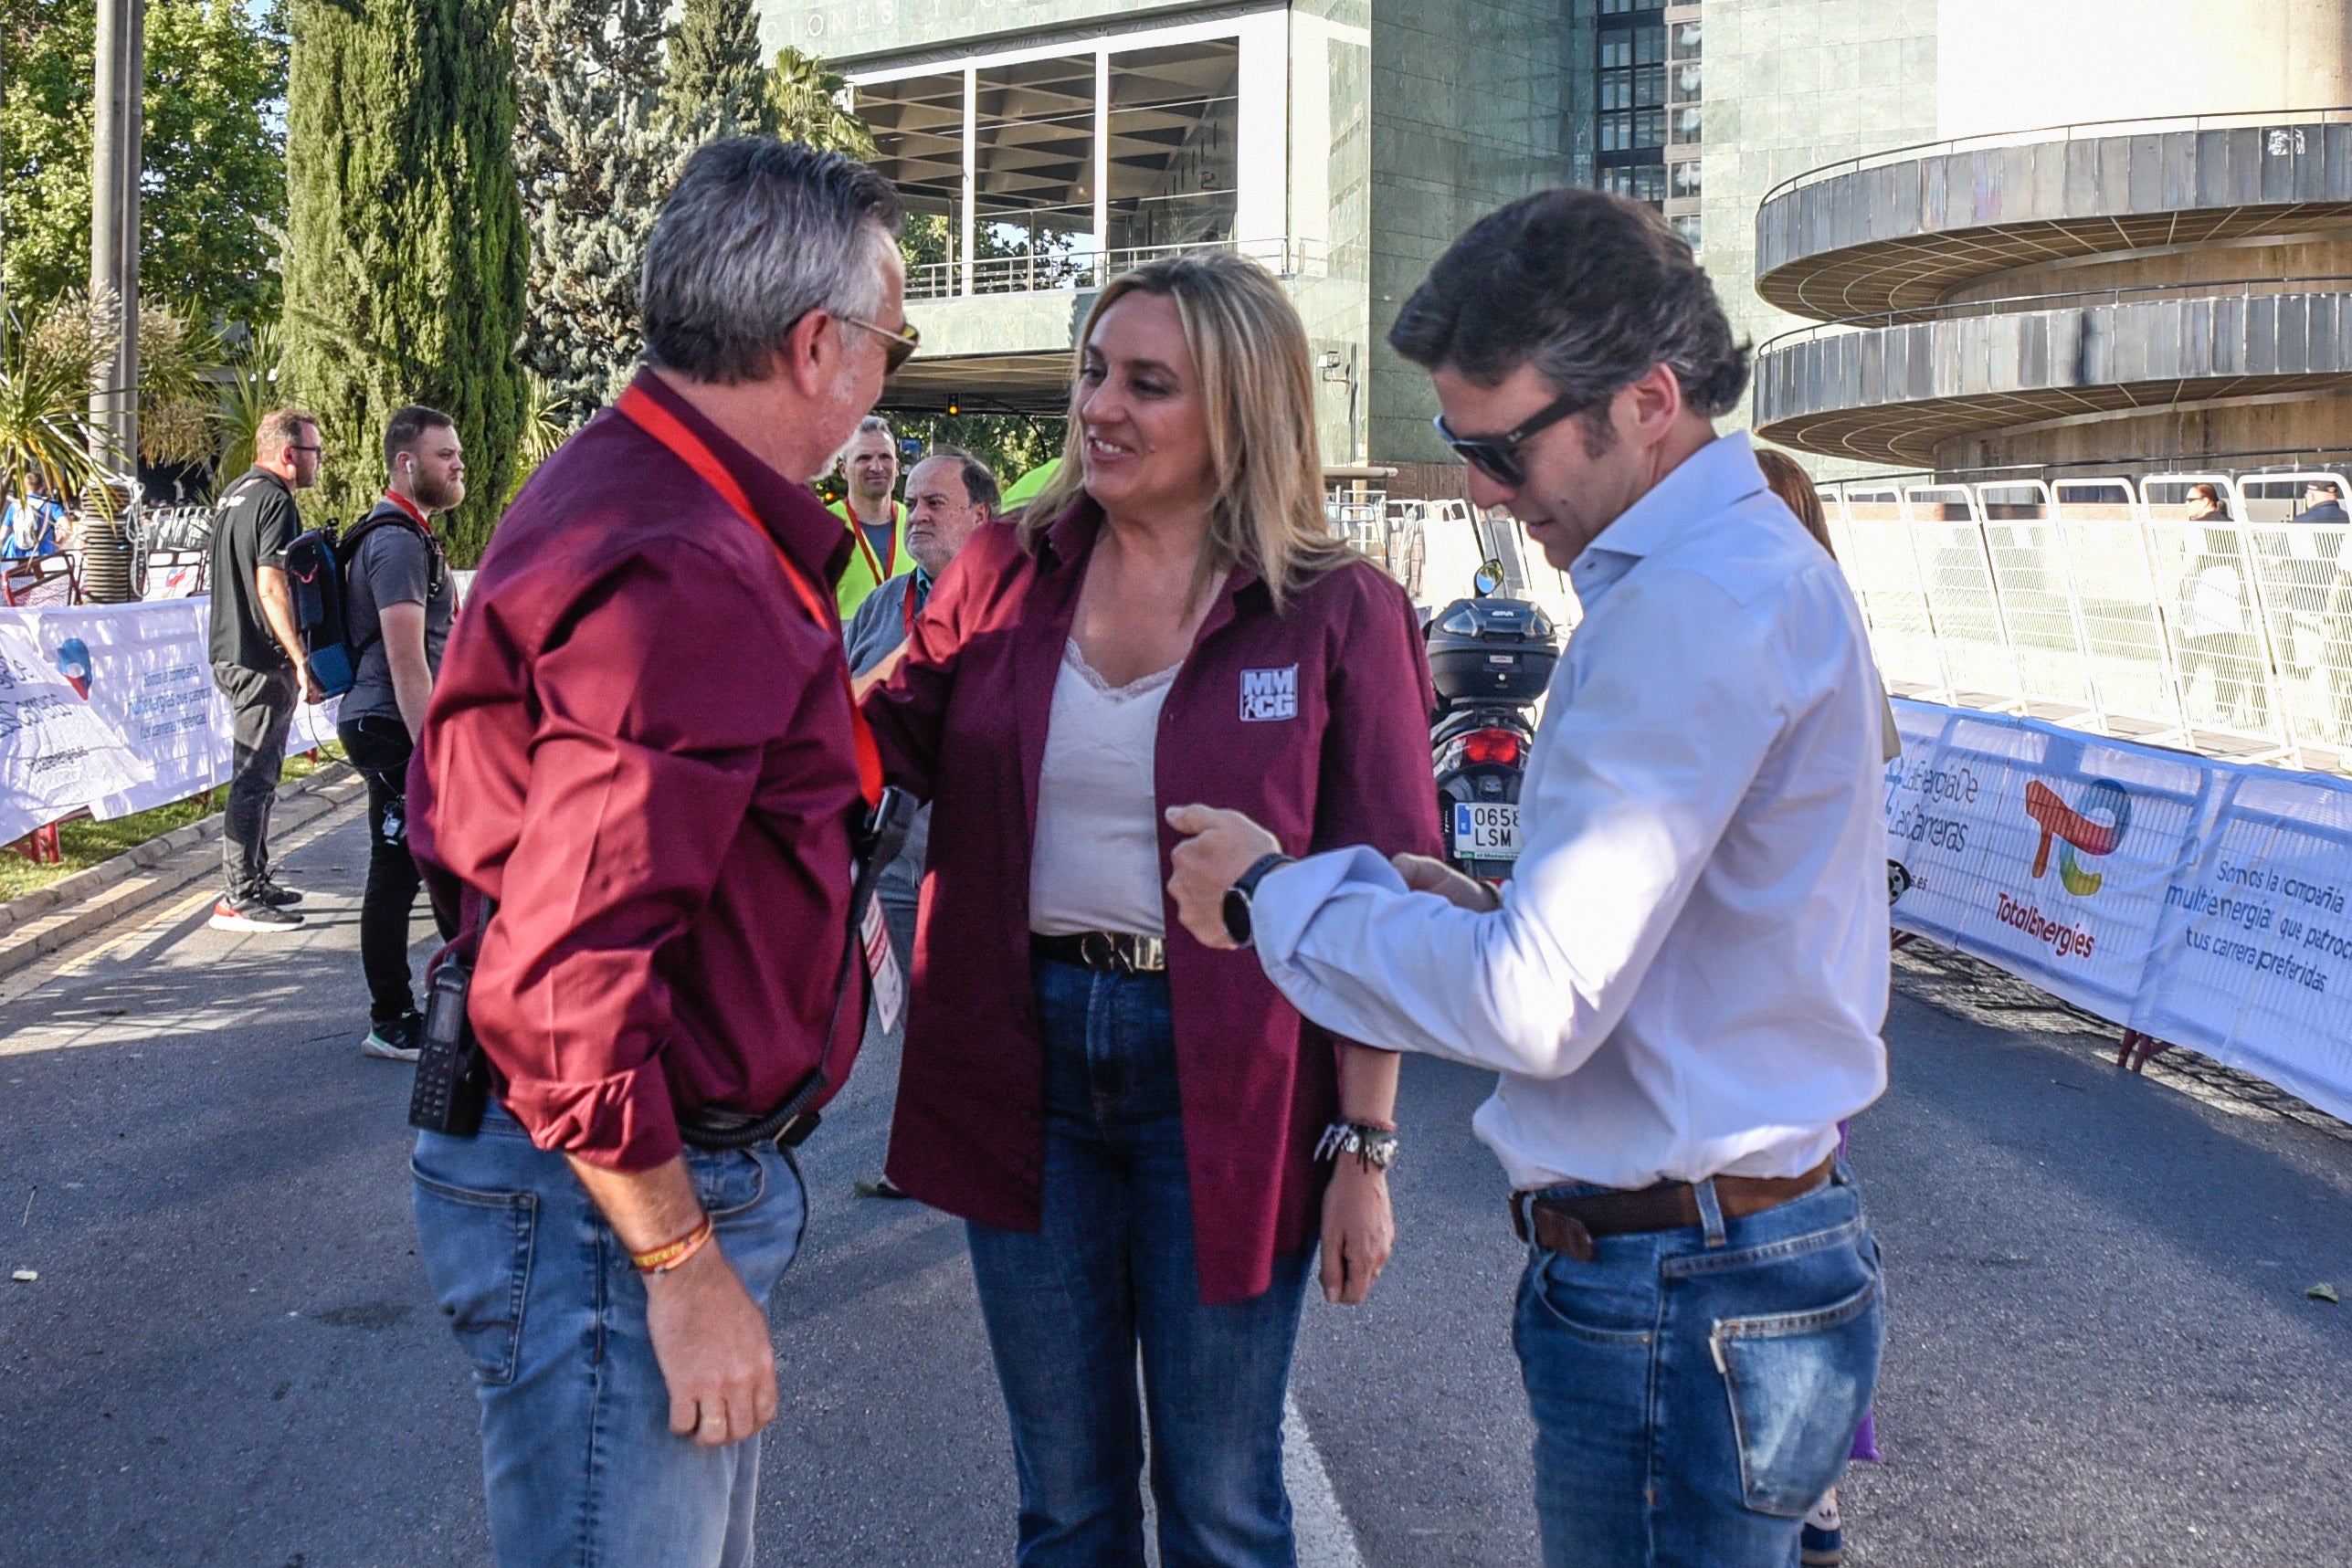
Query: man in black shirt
(257, 659)
(397, 606)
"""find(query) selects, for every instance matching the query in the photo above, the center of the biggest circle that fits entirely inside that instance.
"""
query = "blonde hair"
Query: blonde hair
(1257, 384)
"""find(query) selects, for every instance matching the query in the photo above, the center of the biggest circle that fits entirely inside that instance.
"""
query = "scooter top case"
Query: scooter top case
(1485, 649)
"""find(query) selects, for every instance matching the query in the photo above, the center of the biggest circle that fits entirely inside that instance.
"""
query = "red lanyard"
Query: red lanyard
(666, 428)
(411, 508)
(874, 563)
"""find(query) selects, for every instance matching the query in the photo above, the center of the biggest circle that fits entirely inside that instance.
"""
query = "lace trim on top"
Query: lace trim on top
(1074, 657)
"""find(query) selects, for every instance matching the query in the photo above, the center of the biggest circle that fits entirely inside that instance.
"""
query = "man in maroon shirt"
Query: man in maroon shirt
(641, 755)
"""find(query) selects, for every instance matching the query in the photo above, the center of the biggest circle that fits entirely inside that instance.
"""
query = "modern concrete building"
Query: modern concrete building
(2002, 231)
(2129, 244)
(1045, 144)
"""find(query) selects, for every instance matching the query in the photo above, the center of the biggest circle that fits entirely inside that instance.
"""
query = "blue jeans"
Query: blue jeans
(577, 1456)
(1112, 1267)
(1693, 1402)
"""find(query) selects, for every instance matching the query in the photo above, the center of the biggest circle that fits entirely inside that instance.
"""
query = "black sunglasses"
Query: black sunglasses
(898, 347)
(1498, 455)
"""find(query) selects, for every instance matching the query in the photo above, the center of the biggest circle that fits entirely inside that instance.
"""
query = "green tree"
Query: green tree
(715, 82)
(595, 154)
(805, 103)
(407, 256)
(213, 199)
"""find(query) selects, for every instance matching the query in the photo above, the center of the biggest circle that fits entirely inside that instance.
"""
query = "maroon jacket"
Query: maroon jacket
(639, 745)
(1333, 749)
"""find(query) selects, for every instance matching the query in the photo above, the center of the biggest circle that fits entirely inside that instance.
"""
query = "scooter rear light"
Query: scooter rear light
(1498, 746)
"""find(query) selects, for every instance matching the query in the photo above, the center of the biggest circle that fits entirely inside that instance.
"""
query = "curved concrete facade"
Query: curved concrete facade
(1913, 393)
(1909, 231)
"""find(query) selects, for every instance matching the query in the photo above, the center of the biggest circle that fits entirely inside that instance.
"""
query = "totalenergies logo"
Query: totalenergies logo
(2078, 831)
(73, 663)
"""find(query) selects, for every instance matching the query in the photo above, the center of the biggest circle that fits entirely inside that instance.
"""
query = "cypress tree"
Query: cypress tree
(595, 154)
(406, 255)
(716, 80)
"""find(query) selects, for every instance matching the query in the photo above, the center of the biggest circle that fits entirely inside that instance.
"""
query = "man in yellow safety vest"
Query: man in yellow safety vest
(877, 523)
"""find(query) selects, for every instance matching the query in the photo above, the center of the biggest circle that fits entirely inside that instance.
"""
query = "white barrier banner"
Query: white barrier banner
(144, 691)
(2206, 904)
(55, 754)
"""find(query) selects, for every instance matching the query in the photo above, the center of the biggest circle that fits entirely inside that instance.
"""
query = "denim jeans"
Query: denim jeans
(1693, 1402)
(1112, 1268)
(578, 1459)
(260, 714)
(380, 748)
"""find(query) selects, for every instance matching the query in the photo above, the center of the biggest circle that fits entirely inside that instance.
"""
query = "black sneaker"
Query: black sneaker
(398, 1040)
(251, 914)
(278, 898)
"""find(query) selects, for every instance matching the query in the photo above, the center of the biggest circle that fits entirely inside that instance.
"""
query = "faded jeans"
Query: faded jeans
(1111, 1270)
(578, 1459)
(1693, 1402)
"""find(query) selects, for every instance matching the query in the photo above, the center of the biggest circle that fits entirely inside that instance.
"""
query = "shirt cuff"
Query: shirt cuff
(1288, 898)
(624, 1122)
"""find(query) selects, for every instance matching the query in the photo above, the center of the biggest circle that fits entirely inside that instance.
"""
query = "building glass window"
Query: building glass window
(1642, 181)
(1687, 225)
(1686, 40)
(1632, 89)
(1034, 194)
(1688, 126)
(1173, 164)
(1683, 178)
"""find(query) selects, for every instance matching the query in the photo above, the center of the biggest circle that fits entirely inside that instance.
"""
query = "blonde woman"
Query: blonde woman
(1129, 1122)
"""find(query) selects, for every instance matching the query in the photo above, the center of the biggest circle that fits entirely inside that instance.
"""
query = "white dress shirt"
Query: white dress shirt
(1688, 972)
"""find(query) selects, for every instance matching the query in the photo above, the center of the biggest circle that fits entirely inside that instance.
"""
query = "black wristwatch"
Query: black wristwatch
(1237, 897)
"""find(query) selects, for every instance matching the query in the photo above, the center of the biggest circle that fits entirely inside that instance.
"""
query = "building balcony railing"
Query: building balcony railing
(2074, 299)
(1050, 272)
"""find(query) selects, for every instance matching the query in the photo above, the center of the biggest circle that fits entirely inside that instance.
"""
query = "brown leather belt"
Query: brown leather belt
(1567, 1226)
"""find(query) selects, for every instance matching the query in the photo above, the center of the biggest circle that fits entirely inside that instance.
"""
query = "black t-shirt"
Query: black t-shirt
(252, 527)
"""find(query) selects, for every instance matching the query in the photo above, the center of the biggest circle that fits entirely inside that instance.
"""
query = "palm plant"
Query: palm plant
(543, 431)
(806, 102)
(46, 433)
(248, 390)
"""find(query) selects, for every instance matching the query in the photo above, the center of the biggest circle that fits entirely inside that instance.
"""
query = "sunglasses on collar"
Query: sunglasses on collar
(1497, 457)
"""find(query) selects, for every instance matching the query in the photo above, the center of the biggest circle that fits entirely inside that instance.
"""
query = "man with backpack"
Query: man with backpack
(397, 604)
(257, 659)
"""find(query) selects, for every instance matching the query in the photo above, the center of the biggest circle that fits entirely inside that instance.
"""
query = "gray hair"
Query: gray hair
(874, 423)
(756, 234)
(979, 483)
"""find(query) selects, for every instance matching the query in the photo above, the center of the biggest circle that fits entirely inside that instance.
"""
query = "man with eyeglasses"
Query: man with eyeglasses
(1682, 985)
(640, 776)
(257, 660)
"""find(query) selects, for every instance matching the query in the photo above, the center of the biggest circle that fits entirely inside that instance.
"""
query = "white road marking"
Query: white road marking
(1325, 1538)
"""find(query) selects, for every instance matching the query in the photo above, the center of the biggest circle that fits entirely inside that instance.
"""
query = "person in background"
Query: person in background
(1144, 1140)
(2320, 504)
(877, 523)
(2219, 627)
(1822, 1543)
(1681, 985)
(1795, 488)
(256, 660)
(641, 751)
(33, 522)
(398, 599)
(949, 495)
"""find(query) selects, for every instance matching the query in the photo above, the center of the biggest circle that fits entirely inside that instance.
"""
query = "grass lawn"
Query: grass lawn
(87, 843)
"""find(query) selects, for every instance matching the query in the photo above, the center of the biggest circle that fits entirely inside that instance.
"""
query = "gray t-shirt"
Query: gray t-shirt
(392, 567)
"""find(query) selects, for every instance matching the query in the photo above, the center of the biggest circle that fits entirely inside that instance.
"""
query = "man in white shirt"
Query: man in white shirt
(1682, 984)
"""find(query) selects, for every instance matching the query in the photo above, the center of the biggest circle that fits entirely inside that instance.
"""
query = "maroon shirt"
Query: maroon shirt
(1327, 745)
(639, 745)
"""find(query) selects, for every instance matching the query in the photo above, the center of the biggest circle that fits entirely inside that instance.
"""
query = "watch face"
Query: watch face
(1237, 915)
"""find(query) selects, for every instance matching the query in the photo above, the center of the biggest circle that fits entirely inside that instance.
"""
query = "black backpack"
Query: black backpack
(318, 570)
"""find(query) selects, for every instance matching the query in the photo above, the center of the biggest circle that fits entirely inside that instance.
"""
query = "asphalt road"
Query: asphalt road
(2101, 1351)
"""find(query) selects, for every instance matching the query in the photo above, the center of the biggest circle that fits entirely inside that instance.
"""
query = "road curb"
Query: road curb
(71, 908)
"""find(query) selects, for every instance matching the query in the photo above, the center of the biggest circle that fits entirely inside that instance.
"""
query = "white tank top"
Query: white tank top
(1096, 862)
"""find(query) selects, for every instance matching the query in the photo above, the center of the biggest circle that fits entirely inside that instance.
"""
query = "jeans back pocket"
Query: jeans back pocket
(476, 1248)
(1799, 1385)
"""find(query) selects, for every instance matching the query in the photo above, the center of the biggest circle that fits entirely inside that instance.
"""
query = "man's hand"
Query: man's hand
(304, 685)
(1424, 875)
(711, 1340)
(1219, 846)
(1358, 1230)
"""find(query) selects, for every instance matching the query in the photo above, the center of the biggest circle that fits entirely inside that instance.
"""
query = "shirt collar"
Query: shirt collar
(1711, 480)
(790, 512)
(416, 513)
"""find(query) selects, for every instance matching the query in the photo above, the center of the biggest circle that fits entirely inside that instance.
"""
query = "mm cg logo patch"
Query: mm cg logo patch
(1270, 694)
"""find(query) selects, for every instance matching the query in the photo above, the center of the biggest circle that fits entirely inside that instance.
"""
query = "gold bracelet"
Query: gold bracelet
(668, 1256)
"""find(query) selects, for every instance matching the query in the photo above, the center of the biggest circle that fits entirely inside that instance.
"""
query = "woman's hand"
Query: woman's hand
(1358, 1230)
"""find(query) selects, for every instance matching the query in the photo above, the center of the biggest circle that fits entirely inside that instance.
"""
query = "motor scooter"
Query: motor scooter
(1491, 658)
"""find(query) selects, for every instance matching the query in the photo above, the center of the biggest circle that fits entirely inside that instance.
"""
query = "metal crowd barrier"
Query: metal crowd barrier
(2105, 604)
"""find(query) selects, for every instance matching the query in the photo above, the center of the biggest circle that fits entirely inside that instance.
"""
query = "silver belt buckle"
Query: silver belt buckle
(1150, 955)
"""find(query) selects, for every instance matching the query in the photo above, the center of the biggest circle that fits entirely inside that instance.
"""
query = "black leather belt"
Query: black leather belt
(1104, 952)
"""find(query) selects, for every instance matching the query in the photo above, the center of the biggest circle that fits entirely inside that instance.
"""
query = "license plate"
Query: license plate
(1485, 832)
